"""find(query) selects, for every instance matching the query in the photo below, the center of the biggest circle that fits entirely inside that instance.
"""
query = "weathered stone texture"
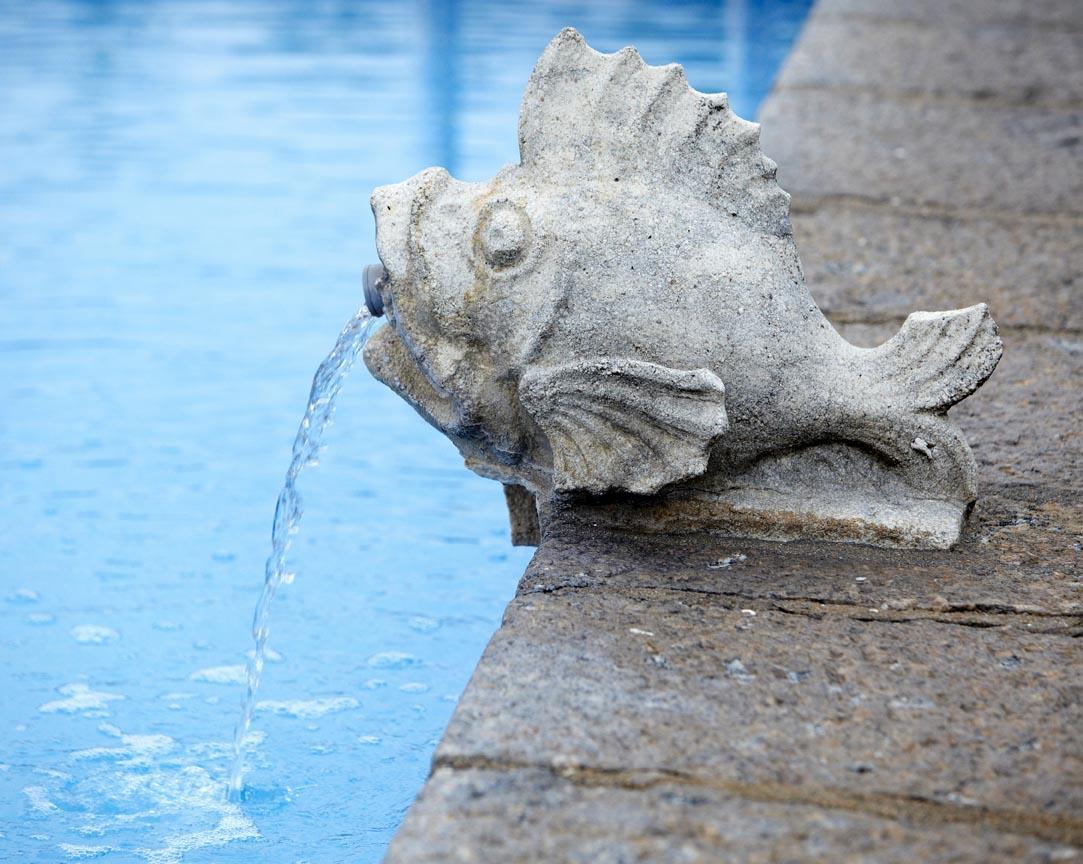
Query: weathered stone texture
(1018, 566)
(1001, 64)
(963, 155)
(736, 691)
(871, 263)
(1030, 14)
(532, 815)
(1040, 375)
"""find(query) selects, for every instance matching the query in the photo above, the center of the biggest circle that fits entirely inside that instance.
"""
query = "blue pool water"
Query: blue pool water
(183, 221)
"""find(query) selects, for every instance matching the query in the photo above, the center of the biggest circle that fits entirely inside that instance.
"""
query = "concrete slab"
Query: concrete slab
(1054, 14)
(996, 63)
(528, 815)
(984, 724)
(1018, 567)
(956, 156)
(871, 263)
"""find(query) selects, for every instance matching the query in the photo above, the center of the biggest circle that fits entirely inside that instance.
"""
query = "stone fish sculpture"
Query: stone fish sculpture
(620, 323)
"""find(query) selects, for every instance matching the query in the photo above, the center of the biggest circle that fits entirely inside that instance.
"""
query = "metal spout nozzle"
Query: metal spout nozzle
(373, 275)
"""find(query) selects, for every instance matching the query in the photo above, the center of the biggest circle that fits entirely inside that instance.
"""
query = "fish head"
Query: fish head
(469, 283)
(480, 278)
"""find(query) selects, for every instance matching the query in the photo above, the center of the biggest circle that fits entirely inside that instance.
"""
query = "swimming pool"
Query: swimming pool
(183, 220)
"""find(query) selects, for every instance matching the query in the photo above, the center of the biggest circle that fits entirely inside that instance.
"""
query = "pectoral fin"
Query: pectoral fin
(625, 424)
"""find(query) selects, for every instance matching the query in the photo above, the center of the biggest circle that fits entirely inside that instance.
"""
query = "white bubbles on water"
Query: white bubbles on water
(307, 708)
(220, 674)
(38, 800)
(148, 797)
(392, 660)
(83, 853)
(175, 700)
(230, 828)
(81, 700)
(423, 624)
(39, 619)
(93, 634)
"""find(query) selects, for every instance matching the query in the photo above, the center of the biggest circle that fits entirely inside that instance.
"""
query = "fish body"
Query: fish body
(625, 312)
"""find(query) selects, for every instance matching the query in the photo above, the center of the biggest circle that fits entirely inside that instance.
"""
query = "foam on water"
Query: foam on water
(81, 700)
(305, 708)
(80, 852)
(38, 800)
(140, 786)
(306, 450)
(235, 674)
(94, 634)
(391, 660)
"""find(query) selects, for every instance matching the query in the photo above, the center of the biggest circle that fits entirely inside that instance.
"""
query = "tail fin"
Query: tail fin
(939, 358)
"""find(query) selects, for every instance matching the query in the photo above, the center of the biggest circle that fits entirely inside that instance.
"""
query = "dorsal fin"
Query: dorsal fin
(615, 115)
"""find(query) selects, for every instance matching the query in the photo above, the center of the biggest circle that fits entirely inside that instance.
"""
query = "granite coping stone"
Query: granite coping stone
(990, 62)
(984, 724)
(951, 155)
(1053, 14)
(1017, 567)
(1038, 376)
(529, 814)
(868, 262)
(693, 697)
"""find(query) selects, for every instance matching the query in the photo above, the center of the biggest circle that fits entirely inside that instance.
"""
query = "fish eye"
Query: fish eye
(503, 234)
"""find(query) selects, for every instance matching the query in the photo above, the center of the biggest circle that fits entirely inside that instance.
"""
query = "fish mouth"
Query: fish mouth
(391, 355)
(391, 363)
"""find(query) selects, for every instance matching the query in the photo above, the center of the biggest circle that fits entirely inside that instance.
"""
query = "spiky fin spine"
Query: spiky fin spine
(617, 115)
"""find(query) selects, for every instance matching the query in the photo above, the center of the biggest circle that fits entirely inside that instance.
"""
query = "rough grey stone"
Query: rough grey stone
(523, 515)
(624, 314)
(1017, 566)
(814, 707)
(532, 815)
(869, 263)
(1053, 14)
(1040, 378)
(995, 63)
(953, 155)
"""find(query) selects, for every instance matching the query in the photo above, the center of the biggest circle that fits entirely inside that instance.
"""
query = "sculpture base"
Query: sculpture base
(831, 492)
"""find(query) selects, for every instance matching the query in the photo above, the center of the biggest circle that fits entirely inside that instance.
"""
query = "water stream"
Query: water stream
(306, 451)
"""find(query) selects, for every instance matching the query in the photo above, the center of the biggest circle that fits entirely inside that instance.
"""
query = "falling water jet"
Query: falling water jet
(306, 449)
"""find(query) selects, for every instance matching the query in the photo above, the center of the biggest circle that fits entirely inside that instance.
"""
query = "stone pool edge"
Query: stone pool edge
(651, 697)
